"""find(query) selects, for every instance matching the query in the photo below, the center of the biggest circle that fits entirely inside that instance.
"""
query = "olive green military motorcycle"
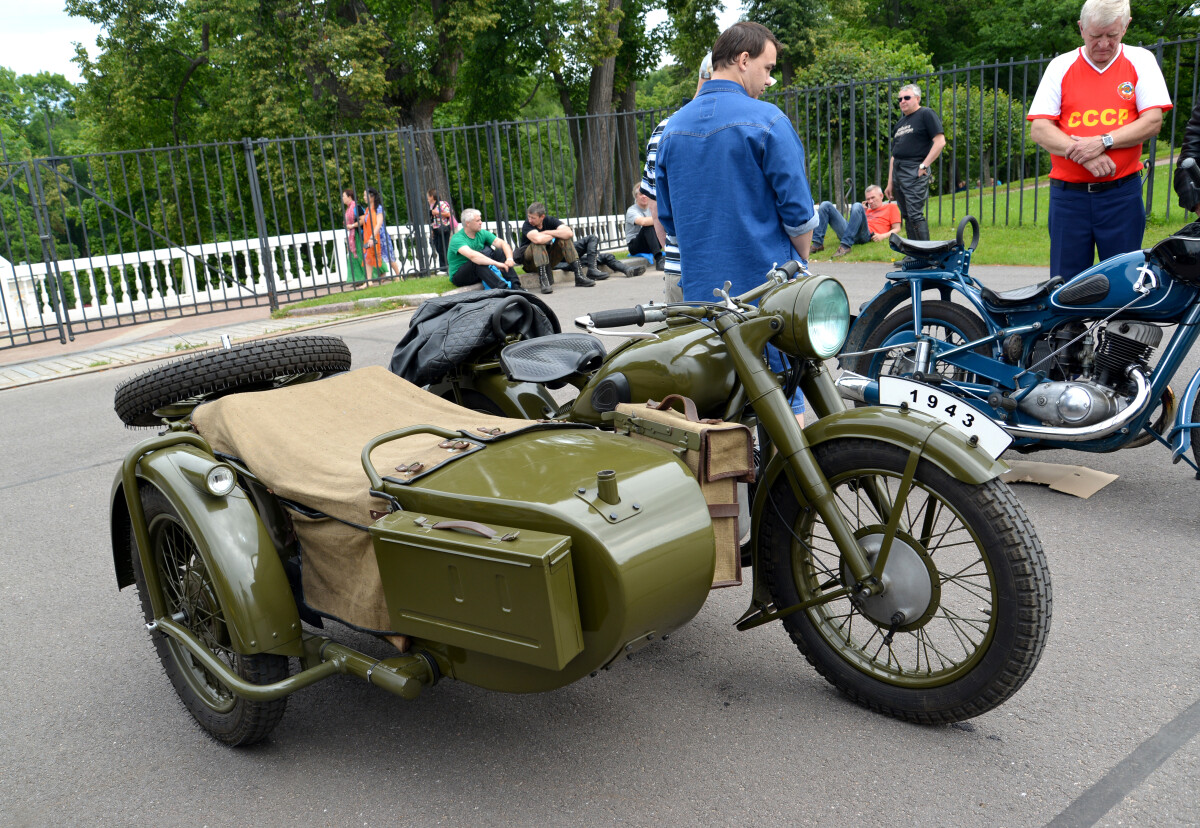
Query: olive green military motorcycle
(520, 552)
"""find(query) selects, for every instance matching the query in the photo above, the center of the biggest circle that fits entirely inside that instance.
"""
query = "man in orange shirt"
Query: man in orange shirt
(872, 220)
(1093, 109)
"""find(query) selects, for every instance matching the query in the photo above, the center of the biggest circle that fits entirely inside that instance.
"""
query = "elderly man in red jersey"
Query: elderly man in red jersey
(1093, 109)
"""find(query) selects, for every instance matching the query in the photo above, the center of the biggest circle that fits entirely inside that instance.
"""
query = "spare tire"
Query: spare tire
(170, 392)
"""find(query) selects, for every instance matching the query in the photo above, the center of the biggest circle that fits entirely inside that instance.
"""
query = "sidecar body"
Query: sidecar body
(512, 554)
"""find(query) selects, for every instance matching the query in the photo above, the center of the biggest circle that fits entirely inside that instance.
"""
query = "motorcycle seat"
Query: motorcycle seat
(1018, 297)
(922, 249)
(552, 358)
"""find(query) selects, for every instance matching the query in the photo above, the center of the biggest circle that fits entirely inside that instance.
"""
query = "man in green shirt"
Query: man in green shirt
(474, 257)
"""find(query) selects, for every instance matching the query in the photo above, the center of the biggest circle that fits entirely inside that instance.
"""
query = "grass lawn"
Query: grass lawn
(394, 288)
(1026, 243)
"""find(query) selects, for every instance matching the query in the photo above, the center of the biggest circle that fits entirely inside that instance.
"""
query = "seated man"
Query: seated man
(473, 255)
(640, 236)
(872, 220)
(544, 242)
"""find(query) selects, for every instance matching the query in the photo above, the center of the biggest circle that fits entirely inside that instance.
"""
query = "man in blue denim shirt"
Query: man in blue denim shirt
(730, 174)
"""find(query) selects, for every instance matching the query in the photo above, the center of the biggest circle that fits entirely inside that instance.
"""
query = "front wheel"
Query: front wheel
(191, 598)
(944, 321)
(966, 609)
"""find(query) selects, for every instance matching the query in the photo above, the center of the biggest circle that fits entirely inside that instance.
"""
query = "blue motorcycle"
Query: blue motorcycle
(1058, 364)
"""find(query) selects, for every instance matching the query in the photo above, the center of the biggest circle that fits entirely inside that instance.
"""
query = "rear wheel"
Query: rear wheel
(171, 391)
(944, 321)
(966, 609)
(190, 597)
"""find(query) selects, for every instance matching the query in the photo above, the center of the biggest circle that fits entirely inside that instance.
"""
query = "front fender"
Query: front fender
(939, 443)
(242, 560)
(1181, 437)
(871, 314)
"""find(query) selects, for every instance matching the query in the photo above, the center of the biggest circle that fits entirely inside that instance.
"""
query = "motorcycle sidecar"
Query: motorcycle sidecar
(514, 555)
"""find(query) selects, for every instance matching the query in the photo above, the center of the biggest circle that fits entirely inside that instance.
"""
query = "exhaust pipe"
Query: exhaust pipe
(862, 389)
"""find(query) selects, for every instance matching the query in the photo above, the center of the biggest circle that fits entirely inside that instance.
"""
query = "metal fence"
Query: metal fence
(94, 241)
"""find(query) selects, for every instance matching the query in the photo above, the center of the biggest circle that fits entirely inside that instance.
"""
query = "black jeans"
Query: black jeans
(646, 241)
(470, 273)
(439, 238)
(912, 191)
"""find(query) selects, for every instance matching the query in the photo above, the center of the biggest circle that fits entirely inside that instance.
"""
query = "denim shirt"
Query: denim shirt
(732, 188)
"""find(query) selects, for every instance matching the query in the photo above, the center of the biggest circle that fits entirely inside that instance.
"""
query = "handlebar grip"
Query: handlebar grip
(619, 317)
(1193, 171)
(789, 268)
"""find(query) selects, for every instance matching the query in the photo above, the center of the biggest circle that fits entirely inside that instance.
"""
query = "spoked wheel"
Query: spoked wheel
(944, 321)
(190, 597)
(172, 391)
(966, 610)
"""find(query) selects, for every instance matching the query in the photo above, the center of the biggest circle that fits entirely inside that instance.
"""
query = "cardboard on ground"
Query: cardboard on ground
(1073, 480)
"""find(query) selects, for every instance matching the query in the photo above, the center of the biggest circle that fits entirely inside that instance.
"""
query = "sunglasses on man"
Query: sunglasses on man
(906, 97)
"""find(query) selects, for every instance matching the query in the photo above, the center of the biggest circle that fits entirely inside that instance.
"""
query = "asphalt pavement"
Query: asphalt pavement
(713, 727)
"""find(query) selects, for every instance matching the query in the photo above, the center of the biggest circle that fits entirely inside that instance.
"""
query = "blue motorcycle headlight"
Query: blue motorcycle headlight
(816, 316)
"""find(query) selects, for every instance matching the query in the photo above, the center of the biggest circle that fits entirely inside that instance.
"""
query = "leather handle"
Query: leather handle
(689, 407)
(468, 526)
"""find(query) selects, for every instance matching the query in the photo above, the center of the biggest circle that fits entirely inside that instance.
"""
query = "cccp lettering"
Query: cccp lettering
(1094, 117)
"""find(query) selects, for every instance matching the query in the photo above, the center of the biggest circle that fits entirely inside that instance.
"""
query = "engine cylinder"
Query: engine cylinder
(1124, 344)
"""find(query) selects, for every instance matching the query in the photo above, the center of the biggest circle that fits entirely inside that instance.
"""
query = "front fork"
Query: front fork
(746, 342)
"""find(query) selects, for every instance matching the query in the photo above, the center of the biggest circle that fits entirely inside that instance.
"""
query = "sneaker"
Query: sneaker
(817, 247)
(841, 251)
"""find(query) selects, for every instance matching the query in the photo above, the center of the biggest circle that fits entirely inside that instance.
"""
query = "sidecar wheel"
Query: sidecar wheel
(950, 323)
(171, 391)
(189, 594)
(968, 601)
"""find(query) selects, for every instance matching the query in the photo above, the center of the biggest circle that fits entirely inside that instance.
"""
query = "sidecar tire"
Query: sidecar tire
(173, 390)
(1004, 600)
(949, 322)
(227, 718)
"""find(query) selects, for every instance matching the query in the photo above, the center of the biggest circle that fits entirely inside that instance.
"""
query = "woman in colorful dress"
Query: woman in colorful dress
(372, 226)
(387, 243)
(441, 225)
(354, 240)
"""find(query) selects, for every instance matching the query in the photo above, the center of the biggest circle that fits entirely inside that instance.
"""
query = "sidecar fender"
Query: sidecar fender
(242, 560)
(938, 443)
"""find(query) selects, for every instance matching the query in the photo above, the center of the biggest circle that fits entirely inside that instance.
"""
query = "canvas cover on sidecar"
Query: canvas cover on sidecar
(305, 442)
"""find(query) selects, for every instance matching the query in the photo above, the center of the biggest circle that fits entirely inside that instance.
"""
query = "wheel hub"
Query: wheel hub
(908, 583)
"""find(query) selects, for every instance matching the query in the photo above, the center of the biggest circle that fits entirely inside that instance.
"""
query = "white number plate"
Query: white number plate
(946, 407)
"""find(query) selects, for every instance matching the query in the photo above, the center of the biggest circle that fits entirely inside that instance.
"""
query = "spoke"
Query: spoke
(981, 591)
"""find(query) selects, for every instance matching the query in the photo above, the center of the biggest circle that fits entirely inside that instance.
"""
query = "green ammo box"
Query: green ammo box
(490, 589)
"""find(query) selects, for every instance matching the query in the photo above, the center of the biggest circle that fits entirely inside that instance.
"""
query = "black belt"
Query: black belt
(1090, 186)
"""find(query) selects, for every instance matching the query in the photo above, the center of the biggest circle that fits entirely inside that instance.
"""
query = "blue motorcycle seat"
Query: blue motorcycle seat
(552, 358)
(1018, 297)
(922, 249)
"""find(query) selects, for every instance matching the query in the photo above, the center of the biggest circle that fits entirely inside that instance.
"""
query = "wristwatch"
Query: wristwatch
(922, 166)
(1107, 140)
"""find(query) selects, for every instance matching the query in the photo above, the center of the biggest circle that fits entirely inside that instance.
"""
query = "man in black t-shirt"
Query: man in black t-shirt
(916, 144)
(544, 242)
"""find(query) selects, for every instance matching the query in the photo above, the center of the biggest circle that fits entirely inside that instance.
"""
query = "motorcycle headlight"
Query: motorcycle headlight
(815, 313)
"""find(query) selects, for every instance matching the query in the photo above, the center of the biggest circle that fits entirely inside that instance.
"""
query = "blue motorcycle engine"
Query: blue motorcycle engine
(1084, 400)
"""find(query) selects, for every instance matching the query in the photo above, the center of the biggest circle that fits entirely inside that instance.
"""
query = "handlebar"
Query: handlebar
(621, 317)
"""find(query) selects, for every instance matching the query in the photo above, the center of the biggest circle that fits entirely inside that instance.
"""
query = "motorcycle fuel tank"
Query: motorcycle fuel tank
(1107, 286)
(687, 359)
